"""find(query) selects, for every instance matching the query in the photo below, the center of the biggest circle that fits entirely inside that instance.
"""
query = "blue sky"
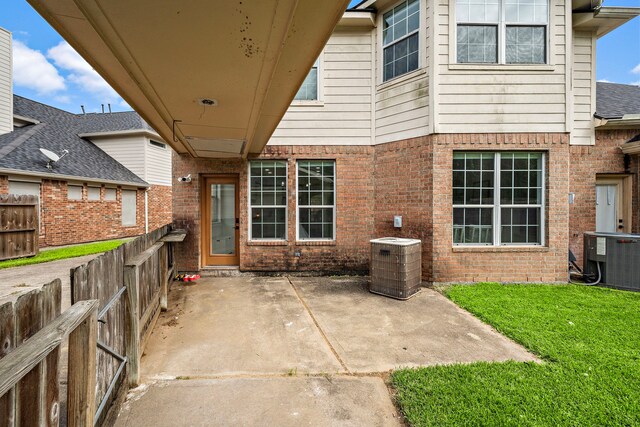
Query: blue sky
(50, 71)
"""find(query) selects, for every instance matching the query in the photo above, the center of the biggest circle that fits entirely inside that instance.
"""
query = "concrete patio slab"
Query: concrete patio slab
(317, 401)
(236, 326)
(372, 333)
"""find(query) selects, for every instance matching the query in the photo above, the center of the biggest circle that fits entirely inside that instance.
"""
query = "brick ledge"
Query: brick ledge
(500, 249)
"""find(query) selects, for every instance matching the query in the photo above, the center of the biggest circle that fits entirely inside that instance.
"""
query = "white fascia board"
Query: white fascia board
(74, 178)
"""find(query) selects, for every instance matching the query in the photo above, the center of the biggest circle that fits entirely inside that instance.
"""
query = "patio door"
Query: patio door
(221, 228)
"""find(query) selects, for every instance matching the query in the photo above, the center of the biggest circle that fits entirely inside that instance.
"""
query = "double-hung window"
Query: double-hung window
(268, 200)
(316, 199)
(309, 89)
(502, 31)
(400, 39)
(498, 198)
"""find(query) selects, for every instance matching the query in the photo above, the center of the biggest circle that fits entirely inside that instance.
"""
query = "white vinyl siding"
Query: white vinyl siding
(129, 151)
(74, 192)
(158, 165)
(342, 115)
(129, 208)
(6, 89)
(402, 104)
(583, 132)
(149, 162)
(484, 98)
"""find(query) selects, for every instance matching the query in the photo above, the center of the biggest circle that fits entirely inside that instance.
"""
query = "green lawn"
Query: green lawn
(62, 253)
(588, 337)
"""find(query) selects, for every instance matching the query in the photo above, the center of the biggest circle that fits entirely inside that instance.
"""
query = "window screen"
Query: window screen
(74, 192)
(93, 193)
(110, 194)
(129, 207)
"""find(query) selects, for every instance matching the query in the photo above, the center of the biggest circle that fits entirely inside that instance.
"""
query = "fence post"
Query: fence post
(132, 321)
(81, 391)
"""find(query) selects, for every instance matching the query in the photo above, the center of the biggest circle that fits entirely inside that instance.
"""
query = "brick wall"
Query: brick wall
(64, 221)
(160, 199)
(74, 221)
(403, 186)
(501, 264)
(354, 212)
(586, 163)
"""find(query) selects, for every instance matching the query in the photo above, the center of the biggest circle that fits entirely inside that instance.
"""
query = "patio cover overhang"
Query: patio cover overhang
(213, 77)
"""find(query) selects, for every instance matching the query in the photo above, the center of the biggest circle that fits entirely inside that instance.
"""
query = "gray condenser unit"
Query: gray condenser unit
(396, 267)
(618, 257)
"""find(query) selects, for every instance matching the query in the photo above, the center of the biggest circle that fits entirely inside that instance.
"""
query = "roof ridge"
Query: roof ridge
(21, 139)
(44, 105)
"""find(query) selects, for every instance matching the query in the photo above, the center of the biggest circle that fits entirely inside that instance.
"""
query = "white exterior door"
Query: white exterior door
(607, 208)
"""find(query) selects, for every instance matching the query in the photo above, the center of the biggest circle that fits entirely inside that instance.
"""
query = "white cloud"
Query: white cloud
(32, 70)
(80, 72)
(604, 81)
(636, 69)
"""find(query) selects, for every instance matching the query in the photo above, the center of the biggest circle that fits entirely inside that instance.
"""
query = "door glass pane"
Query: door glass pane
(223, 219)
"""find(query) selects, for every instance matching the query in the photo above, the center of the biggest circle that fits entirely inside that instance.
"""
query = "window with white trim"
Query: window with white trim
(400, 39)
(309, 89)
(502, 31)
(268, 200)
(316, 199)
(498, 198)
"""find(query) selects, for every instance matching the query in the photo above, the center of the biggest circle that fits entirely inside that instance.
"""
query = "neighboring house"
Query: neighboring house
(114, 182)
(473, 121)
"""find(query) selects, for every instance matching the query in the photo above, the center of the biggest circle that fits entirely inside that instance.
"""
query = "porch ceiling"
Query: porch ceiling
(164, 57)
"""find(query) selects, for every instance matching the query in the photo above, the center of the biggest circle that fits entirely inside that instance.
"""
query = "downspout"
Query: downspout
(146, 210)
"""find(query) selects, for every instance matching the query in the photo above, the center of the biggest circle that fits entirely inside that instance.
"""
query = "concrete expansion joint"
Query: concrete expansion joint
(315, 322)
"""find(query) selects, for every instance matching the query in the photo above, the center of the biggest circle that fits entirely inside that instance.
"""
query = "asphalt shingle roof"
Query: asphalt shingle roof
(614, 100)
(58, 130)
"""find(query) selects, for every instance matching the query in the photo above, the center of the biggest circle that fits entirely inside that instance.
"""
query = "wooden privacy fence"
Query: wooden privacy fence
(31, 332)
(18, 226)
(130, 284)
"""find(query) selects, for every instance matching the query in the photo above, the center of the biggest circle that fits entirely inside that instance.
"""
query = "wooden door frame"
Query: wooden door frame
(624, 209)
(206, 259)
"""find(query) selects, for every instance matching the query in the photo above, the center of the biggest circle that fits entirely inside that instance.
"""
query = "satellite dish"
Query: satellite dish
(50, 154)
(53, 157)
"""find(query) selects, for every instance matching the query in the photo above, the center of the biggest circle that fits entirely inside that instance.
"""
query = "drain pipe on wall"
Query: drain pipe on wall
(146, 210)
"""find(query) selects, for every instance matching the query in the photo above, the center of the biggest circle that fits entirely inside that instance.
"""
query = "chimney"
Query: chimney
(6, 82)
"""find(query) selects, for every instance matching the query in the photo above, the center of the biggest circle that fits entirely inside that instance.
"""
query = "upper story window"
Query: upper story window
(502, 31)
(400, 39)
(309, 89)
